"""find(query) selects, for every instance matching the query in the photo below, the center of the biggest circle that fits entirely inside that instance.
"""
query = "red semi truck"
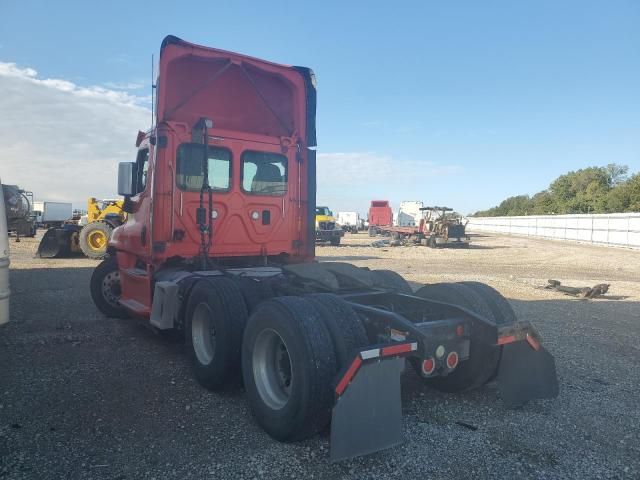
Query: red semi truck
(380, 215)
(219, 246)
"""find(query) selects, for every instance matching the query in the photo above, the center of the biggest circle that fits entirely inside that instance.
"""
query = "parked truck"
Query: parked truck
(51, 214)
(4, 262)
(327, 229)
(380, 215)
(409, 214)
(220, 246)
(349, 221)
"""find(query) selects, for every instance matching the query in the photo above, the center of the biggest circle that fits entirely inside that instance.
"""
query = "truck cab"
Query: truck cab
(219, 246)
(234, 137)
(327, 230)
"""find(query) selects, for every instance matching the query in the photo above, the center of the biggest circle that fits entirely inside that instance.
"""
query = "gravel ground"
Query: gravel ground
(82, 396)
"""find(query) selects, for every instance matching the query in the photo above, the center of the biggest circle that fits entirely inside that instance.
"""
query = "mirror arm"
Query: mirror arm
(127, 205)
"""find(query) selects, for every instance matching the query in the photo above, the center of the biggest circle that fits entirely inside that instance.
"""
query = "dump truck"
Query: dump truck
(89, 236)
(380, 215)
(219, 247)
(327, 229)
(4, 262)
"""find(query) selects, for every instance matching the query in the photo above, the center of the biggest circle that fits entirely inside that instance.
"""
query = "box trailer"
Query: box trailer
(349, 221)
(51, 214)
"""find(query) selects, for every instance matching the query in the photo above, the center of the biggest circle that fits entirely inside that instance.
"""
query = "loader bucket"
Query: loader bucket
(526, 373)
(59, 242)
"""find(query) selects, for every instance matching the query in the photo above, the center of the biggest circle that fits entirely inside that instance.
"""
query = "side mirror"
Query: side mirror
(127, 179)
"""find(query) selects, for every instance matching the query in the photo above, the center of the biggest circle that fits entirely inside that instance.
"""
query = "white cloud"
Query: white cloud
(124, 85)
(64, 141)
(349, 181)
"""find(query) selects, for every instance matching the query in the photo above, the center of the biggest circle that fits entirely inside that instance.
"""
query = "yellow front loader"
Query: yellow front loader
(90, 236)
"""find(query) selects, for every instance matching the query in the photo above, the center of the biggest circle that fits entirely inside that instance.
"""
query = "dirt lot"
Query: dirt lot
(82, 396)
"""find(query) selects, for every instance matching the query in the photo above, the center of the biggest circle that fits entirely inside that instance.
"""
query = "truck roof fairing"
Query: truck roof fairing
(238, 92)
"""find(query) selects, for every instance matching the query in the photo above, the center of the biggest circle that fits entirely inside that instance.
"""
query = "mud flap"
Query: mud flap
(367, 417)
(526, 374)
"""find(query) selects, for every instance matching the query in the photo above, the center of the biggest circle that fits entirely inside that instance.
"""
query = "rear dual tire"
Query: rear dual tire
(291, 352)
(483, 355)
(288, 364)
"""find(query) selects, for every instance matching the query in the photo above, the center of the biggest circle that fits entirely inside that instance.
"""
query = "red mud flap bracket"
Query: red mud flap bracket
(367, 415)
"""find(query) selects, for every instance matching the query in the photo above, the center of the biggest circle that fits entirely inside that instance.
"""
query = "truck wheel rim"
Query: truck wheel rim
(272, 369)
(111, 288)
(97, 240)
(203, 335)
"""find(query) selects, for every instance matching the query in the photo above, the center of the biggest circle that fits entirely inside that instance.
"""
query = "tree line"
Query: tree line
(589, 190)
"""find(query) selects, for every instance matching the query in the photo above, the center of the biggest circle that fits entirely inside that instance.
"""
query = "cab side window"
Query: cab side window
(142, 167)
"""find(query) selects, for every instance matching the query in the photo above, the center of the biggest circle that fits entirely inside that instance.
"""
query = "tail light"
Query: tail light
(452, 360)
(428, 366)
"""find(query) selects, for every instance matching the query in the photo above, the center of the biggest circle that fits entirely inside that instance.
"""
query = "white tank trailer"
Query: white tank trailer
(4, 263)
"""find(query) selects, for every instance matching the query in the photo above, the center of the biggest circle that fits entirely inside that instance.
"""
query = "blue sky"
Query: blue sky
(463, 102)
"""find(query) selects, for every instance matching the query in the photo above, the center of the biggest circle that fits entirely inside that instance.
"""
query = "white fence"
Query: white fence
(614, 229)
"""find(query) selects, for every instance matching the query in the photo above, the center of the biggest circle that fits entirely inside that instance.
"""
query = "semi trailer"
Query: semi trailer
(435, 227)
(219, 246)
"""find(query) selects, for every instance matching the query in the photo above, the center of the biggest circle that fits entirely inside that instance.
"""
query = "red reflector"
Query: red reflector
(459, 330)
(535, 344)
(396, 349)
(506, 339)
(348, 376)
(452, 360)
(428, 366)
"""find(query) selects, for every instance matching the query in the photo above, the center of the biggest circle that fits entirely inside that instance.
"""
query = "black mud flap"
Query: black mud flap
(367, 417)
(526, 374)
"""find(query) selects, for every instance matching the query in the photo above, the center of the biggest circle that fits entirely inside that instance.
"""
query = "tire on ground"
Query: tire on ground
(215, 319)
(105, 288)
(295, 323)
(344, 326)
(96, 228)
(335, 241)
(392, 280)
(483, 357)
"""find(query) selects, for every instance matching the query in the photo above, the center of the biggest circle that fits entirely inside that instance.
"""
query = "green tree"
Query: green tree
(588, 190)
(625, 197)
